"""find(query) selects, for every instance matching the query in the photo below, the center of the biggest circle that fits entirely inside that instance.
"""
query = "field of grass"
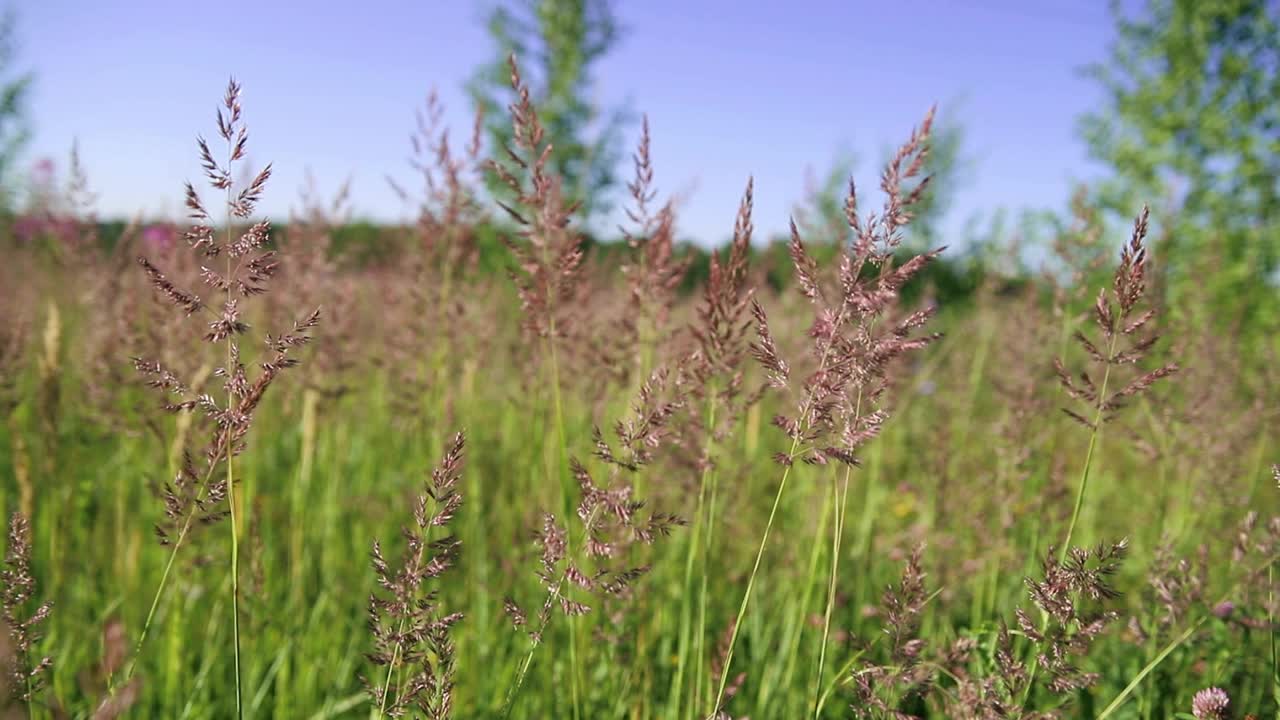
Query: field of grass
(825, 501)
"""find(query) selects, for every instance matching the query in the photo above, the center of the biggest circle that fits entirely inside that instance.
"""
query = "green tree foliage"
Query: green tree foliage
(557, 42)
(1191, 125)
(14, 87)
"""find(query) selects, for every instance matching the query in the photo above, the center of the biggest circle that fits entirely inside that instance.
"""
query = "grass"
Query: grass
(824, 501)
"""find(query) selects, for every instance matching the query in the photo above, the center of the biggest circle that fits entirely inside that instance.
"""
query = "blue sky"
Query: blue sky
(731, 88)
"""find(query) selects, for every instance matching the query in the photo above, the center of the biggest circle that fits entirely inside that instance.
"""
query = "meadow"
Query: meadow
(251, 475)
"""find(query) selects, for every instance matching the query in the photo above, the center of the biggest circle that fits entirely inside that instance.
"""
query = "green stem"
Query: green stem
(1137, 680)
(1083, 484)
(565, 503)
(235, 583)
(700, 639)
(386, 685)
(792, 632)
(837, 535)
(805, 408)
(301, 489)
(553, 476)
(231, 486)
(1271, 623)
(1100, 403)
(690, 597)
(751, 582)
(164, 577)
(1088, 458)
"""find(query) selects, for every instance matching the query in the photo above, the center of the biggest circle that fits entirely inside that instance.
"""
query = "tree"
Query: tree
(1191, 125)
(14, 131)
(556, 43)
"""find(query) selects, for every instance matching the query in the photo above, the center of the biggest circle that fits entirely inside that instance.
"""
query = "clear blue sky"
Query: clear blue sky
(731, 88)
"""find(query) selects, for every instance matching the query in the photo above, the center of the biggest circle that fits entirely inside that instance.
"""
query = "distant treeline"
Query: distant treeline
(953, 278)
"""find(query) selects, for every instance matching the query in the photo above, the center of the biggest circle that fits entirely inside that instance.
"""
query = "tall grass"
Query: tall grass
(837, 498)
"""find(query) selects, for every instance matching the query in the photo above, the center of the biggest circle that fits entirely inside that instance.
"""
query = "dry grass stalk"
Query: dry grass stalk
(653, 271)
(912, 670)
(410, 629)
(880, 688)
(834, 417)
(448, 205)
(194, 494)
(195, 497)
(315, 277)
(550, 258)
(1118, 317)
(716, 354)
(720, 332)
(23, 676)
(1072, 596)
(852, 350)
(1122, 325)
(441, 257)
(1064, 596)
(612, 521)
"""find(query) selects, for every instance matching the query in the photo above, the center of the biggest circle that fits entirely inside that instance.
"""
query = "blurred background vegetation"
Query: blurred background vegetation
(976, 460)
(1191, 126)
